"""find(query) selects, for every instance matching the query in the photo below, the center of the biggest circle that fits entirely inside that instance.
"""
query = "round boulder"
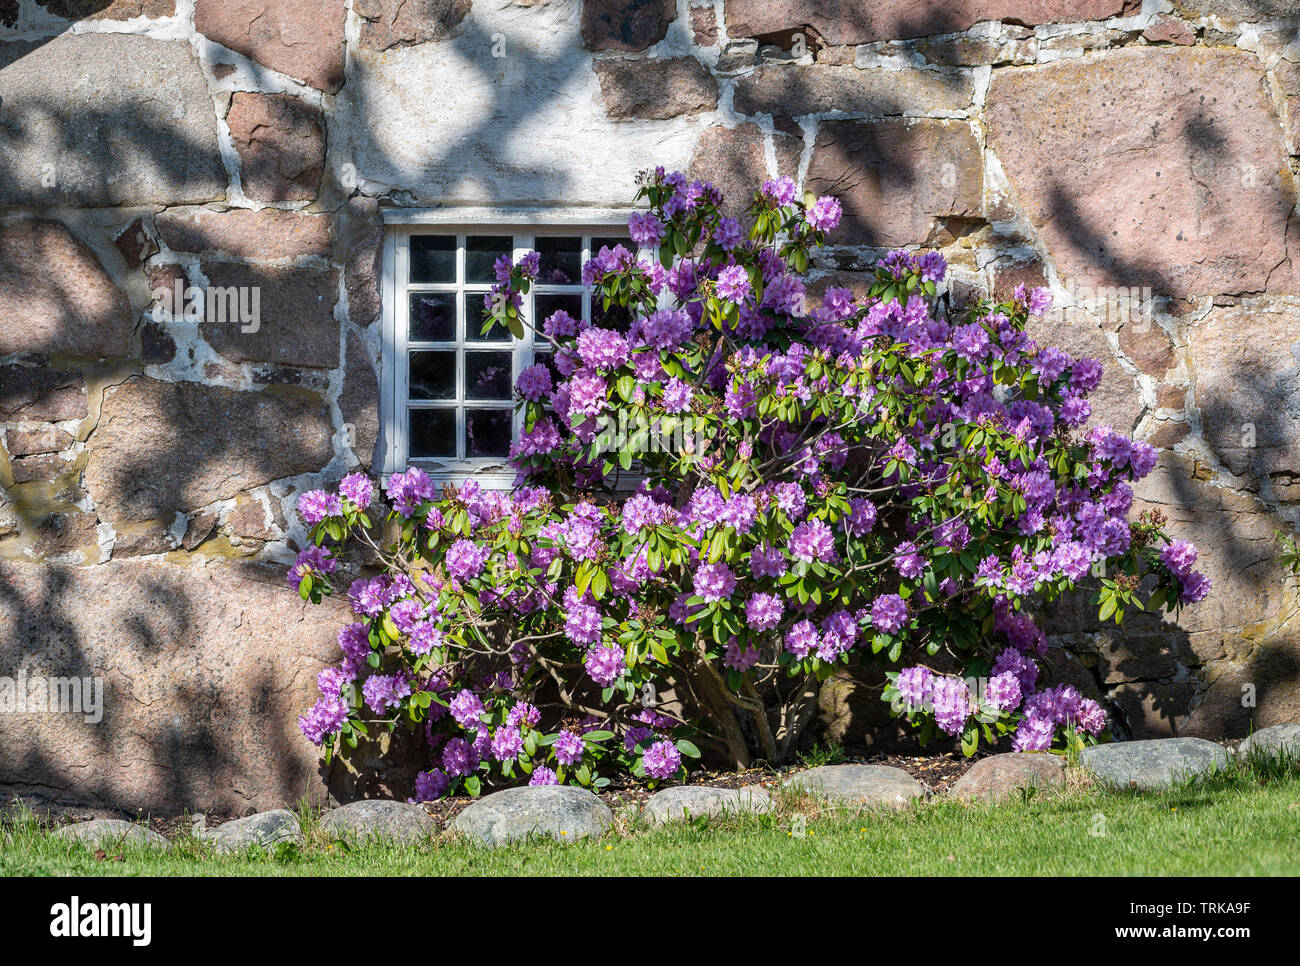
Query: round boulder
(109, 833)
(1152, 765)
(265, 829)
(1279, 739)
(562, 812)
(999, 777)
(692, 801)
(377, 819)
(871, 785)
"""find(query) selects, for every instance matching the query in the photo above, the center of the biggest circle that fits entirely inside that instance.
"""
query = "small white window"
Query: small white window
(449, 404)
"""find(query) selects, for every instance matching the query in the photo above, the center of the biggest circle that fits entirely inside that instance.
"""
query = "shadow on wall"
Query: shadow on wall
(201, 701)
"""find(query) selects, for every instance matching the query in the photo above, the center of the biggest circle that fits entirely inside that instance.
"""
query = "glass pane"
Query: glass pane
(561, 261)
(487, 432)
(433, 317)
(433, 375)
(433, 258)
(547, 359)
(474, 319)
(433, 433)
(618, 317)
(544, 306)
(488, 375)
(481, 253)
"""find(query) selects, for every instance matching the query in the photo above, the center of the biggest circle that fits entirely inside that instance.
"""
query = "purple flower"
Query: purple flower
(431, 785)
(664, 329)
(1040, 300)
(913, 685)
(825, 213)
(1196, 587)
(325, 718)
(543, 776)
(861, 517)
(467, 709)
(801, 640)
(582, 623)
(907, 561)
(408, 490)
(1033, 734)
(767, 561)
(315, 505)
(383, 691)
(604, 665)
(569, 748)
(662, 760)
(739, 658)
(714, 582)
(645, 229)
(424, 638)
(1142, 459)
(534, 382)
(812, 540)
(677, 395)
(781, 190)
(971, 341)
(933, 267)
(465, 559)
(951, 703)
(507, 743)
(1016, 662)
(602, 349)
(728, 234)
(733, 284)
(459, 757)
(763, 611)
(1003, 691)
(1085, 375)
(888, 613)
(311, 560)
(354, 641)
(524, 714)
(358, 490)
(1091, 717)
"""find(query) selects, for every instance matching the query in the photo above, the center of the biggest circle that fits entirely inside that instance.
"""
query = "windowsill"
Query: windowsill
(509, 217)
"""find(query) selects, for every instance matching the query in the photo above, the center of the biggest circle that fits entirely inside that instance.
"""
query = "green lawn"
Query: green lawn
(1239, 824)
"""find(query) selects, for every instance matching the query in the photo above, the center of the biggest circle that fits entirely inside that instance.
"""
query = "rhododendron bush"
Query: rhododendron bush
(724, 500)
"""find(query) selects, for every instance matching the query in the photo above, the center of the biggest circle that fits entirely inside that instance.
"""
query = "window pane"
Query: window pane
(481, 252)
(474, 319)
(617, 317)
(433, 258)
(487, 375)
(433, 375)
(433, 317)
(547, 359)
(546, 305)
(487, 432)
(561, 261)
(433, 433)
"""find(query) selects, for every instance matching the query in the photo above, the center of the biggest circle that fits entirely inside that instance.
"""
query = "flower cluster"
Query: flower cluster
(819, 480)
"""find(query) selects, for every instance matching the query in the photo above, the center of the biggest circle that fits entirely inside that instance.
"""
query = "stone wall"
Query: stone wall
(151, 460)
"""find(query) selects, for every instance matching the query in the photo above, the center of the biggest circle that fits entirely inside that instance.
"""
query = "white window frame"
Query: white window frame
(524, 225)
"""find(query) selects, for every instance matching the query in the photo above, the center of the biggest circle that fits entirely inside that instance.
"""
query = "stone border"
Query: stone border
(567, 813)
